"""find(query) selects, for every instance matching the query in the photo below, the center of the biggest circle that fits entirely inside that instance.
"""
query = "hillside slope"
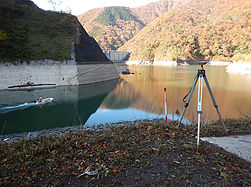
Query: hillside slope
(197, 30)
(113, 26)
(29, 33)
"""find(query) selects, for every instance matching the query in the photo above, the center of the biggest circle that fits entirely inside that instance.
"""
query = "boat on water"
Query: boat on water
(41, 101)
(9, 108)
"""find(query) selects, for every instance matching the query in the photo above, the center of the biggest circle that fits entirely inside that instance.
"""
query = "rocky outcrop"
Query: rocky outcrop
(87, 51)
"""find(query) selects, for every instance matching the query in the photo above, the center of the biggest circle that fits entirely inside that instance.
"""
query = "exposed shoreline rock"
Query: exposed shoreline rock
(151, 63)
(219, 63)
(239, 68)
(231, 67)
(175, 63)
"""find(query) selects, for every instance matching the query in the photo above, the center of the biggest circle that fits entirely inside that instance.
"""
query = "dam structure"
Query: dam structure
(117, 56)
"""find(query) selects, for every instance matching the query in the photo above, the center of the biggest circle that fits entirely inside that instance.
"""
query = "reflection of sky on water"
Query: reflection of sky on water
(102, 116)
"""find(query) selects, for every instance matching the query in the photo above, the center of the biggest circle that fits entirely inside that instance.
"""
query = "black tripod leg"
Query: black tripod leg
(189, 98)
(215, 105)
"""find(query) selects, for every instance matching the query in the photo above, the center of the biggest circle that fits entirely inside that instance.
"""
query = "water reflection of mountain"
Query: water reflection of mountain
(72, 105)
(122, 97)
(144, 91)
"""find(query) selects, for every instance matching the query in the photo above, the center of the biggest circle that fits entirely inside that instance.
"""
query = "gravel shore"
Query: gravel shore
(10, 138)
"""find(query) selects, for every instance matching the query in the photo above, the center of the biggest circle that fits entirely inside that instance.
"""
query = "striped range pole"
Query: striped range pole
(165, 103)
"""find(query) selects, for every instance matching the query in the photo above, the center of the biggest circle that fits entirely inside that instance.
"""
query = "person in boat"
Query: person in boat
(40, 99)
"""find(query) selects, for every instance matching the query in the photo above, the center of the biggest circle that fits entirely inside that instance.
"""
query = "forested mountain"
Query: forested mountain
(30, 33)
(113, 26)
(197, 30)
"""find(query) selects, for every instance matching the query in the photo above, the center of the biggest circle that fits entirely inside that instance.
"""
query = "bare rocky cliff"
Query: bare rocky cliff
(87, 51)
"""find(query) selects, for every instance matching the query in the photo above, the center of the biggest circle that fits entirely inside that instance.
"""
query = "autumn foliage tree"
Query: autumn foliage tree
(197, 30)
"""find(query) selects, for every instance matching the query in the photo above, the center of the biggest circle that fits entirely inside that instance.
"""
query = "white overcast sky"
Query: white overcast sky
(80, 6)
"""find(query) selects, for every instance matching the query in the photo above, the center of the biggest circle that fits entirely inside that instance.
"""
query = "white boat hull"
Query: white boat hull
(44, 101)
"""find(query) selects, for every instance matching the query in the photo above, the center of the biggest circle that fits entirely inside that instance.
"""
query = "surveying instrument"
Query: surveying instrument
(200, 76)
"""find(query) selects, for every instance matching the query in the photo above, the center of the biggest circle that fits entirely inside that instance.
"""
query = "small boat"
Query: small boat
(126, 72)
(41, 101)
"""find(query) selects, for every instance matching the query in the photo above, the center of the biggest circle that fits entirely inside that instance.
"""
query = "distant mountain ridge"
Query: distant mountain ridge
(113, 26)
(196, 30)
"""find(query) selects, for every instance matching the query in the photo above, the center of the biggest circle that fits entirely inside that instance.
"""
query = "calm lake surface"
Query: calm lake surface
(136, 96)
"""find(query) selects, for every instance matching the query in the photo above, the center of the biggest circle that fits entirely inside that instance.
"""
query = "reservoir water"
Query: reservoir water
(133, 97)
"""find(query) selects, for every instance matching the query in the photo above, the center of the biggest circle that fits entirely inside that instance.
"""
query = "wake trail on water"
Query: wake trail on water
(22, 106)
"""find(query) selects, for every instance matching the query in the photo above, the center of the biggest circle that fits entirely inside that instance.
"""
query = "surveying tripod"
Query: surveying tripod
(200, 76)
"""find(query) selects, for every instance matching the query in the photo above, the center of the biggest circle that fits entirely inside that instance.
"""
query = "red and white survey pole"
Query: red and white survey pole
(165, 103)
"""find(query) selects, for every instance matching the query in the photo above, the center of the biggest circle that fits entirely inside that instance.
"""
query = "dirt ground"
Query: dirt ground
(150, 153)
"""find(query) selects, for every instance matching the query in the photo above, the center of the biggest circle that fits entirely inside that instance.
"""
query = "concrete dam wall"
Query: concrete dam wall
(43, 74)
(117, 56)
